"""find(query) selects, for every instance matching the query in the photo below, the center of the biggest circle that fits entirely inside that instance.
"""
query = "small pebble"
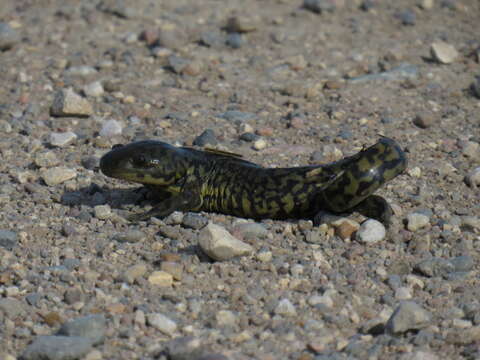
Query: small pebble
(8, 239)
(407, 17)
(160, 278)
(62, 139)
(92, 327)
(259, 144)
(443, 53)
(68, 103)
(173, 268)
(408, 316)
(9, 37)
(403, 293)
(426, 4)
(416, 221)
(162, 323)
(242, 24)
(130, 236)
(184, 348)
(319, 6)
(134, 272)
(225, 318)
(111, 128)
(236, 116)
(81, 71)
(250, 231)
(206, 138)
(234, 40)
(102, 212)
(473, 178)
(57, 348)
(285, 308)
(371, 232)
(424, 120)
(220, 245)
(57, 175)
(264, 256)
(94, 89)
(345, 228)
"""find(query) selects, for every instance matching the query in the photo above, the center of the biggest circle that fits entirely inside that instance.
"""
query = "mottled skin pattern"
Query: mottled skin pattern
(194, 180)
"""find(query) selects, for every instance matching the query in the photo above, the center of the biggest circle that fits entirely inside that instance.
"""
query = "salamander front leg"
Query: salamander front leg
(375, 207)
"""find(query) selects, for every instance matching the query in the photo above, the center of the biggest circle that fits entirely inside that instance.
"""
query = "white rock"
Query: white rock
(68, 103)
(82, 70)
(62, 139)
(111, 128)
(94, 89)
(403, 293)
(408, 316)
(324, 299)
(58, 175)
(162, 323)
(102, 212)
(286, 308)
(473, 178)
(371, 231)
(416, 221)
(443, 52)
(219, 244)
(259, 144)
(225, 318)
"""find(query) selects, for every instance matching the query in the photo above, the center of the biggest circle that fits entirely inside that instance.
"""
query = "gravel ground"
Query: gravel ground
(283, 83)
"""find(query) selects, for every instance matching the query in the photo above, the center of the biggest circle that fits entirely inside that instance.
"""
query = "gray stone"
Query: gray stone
(234, 40)
(111, 128)
(462, 263)
(250, 230)
(9, 37)
(408, 316)
(81, 71)
(134, 272)
(11, 307)
(285, 308)
(162, 323)
(57, 348)
(92, 327)
(57, 175)
(184, 348)
(8, 239)
(237, 116)
(177, 63)
(416, 221)
(130, 236)
(225, 318)
(68, 103)
(62, 139)
(220, 245)
(206, 138)
(371, 232)
(319, 6)
(212, 39)
(435, 267)
(401, 72)
(194, 221)
(46, 159)
(94, 89)
(473, 178)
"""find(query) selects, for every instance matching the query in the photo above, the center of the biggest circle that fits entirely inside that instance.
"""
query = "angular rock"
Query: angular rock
(57, 348)
(319, 6)
(134, 272)
(443, 53)
(416, 221)
(408, 316)
(435, 267)
(68, 103)
(8, 239)
(286, 308)
(8, 37)
(184, 348)
(62, 139)
(160, 278)
(111, 128)
(220, 245)
(162, 323)
(92, 327)
(57, 175)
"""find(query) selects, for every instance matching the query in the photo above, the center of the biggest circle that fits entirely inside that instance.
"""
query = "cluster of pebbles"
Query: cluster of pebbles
(283, 83)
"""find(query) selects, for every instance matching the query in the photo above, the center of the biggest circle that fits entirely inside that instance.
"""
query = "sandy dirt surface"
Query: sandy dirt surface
(284, 84)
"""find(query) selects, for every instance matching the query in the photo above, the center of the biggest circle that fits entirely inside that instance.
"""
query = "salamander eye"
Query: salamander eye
(141, 161)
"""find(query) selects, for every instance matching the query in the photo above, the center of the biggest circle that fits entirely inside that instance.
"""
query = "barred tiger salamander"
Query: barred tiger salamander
(192, 180)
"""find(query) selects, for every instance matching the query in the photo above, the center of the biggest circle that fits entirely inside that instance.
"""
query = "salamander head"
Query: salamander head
(146, 162)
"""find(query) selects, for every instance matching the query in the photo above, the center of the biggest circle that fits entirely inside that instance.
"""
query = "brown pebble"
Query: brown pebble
(150, 36)
(297, 123)
(334, 84)
(171, 257)
(117, 308)
(265, 131)
(423, 120)
(52, 318)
